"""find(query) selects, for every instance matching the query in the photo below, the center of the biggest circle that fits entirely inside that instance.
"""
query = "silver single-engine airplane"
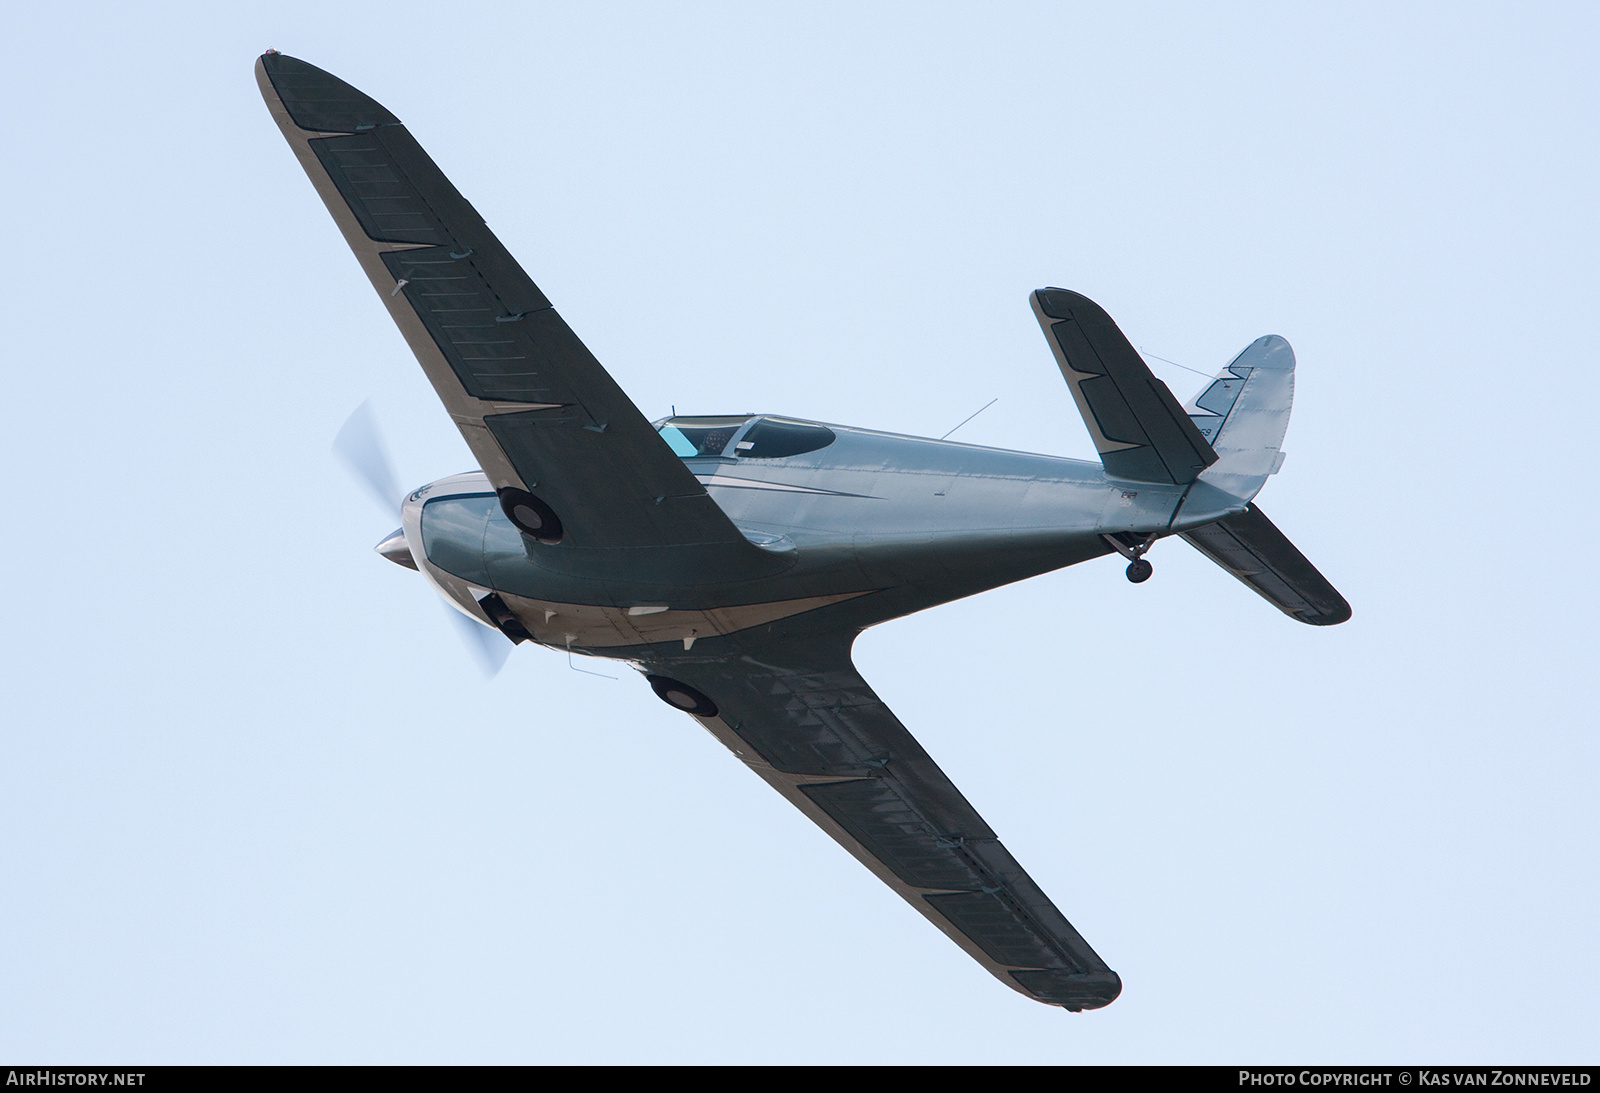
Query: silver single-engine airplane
(733, 560)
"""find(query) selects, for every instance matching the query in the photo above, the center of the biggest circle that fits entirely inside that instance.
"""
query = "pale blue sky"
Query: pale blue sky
(259, 806)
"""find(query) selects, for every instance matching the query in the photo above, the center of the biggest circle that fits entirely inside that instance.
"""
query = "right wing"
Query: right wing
(1250, 546)
(536, 408)
(1139, 429)
(799, 714)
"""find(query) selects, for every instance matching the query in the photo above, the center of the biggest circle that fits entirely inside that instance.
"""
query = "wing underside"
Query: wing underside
(801, 716)
(537, 409)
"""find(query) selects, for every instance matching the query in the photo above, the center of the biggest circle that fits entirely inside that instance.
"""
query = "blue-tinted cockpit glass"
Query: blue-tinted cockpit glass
(680, 444)
(699, 437)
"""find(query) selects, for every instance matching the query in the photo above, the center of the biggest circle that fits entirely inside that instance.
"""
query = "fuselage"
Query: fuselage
(869, 524)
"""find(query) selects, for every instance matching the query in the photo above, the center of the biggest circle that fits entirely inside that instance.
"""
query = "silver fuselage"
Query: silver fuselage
(872, 527)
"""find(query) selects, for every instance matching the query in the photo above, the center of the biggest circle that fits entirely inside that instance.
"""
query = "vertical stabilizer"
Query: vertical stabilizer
(1244, 414)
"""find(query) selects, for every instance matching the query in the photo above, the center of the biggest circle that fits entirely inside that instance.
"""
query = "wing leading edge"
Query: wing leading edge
(800, 715)
(535, 406)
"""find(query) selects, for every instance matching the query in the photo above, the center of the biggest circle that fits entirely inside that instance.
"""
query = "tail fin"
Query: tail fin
(1244, 413)
(1224, 445)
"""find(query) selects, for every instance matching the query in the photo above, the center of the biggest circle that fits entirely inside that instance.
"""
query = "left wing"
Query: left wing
(537, 409)
(799, 714)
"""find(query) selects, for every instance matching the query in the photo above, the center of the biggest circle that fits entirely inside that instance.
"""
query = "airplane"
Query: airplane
(733, 559)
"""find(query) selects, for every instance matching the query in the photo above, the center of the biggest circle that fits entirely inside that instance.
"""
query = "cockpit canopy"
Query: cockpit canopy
(690, 437)
(743, 437)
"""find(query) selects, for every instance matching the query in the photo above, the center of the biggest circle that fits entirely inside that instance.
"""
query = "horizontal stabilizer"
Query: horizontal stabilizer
(1247, 545)
(1139, 429)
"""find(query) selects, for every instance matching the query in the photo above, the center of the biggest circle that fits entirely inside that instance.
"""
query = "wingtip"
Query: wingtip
(316, 100)
(1073, 991)
(1337, 615)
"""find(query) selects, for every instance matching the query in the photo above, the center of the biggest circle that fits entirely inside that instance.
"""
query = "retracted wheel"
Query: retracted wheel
(532, 516)
(681, 696)
(1139, 570)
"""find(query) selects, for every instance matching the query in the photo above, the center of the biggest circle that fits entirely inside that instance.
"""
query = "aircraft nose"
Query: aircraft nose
(396, 549)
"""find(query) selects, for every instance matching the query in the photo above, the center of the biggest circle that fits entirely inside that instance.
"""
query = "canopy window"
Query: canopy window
(692, 437)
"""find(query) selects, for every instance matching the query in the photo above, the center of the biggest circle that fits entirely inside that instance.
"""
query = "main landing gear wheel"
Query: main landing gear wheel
(681, 696)
(1133, 547)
